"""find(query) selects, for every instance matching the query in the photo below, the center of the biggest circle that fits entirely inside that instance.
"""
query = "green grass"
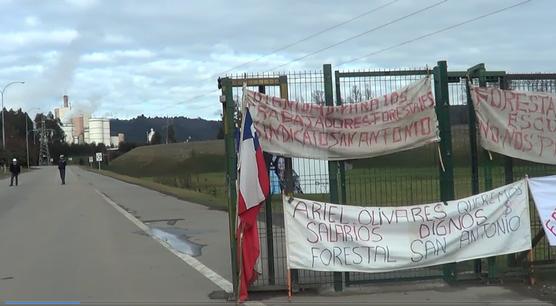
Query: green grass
(214, 202)
(175, 159)
(190, 171)
(403, 178)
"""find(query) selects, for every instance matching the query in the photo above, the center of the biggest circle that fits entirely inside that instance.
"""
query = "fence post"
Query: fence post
(491, 261)
(333, 166)
(268, 219)
(228, 105)
(342, 164)
(447, 174)
(508, 172)
(473, 146)
(289, 184)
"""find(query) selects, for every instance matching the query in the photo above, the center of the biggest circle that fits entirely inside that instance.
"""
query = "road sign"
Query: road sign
(91, 160)
(99, 156)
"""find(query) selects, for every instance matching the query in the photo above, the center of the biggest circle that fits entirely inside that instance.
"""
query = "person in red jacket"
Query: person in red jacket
(15, 169)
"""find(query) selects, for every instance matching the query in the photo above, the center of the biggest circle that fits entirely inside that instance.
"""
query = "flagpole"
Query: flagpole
(240, 228)
(530, 260)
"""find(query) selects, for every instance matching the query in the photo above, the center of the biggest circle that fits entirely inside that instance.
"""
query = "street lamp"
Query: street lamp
(3, 126)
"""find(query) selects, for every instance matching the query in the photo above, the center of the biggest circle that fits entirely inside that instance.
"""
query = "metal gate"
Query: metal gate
(404, 178)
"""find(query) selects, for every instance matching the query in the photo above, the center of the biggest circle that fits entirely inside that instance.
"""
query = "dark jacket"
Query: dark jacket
(15, 169)
(62, 164)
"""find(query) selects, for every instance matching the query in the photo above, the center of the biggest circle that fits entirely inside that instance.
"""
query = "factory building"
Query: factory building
(80, 127)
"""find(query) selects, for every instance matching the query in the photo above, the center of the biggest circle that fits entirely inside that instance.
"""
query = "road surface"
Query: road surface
(83, 242)
(100, 241)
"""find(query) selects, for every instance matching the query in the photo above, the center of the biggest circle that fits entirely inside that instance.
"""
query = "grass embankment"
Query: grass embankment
(190, 171)
(180, 193)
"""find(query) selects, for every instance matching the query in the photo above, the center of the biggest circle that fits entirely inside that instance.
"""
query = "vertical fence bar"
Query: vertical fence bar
(447, 174)
(231, 170)
(268, 220)
(488, 179)
(473, 148)
(508, 172)
(342, 165)
(289, 184)
(332, 166)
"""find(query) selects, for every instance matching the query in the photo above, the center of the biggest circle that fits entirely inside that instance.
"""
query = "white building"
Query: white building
(81, 128)
(60, 112)
(68, 131)
(99, 131)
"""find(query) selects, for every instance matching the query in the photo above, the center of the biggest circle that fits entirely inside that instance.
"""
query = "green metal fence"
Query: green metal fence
(404, 178)
(542, 253)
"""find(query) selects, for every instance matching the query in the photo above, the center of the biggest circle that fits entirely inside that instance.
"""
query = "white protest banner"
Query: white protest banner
(519, 124)
(331, 237)
(400, 120)
(543, 190)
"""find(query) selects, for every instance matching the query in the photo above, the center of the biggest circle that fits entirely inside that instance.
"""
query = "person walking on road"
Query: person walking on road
(62, 168)
(15, 169)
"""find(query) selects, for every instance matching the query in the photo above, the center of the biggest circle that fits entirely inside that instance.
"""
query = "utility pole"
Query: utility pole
(44, 153)
(27, 137)
(27, 141)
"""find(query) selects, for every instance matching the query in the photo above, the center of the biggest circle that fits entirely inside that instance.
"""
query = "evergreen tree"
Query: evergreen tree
(157, 139)
(171, 134)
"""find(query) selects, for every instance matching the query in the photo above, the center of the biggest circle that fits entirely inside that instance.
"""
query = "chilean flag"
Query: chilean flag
(254, 186)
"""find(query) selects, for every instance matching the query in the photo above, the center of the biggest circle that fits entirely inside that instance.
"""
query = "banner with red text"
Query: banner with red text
(400, 120)
(520, 124)
(332, 237)
(543, 190)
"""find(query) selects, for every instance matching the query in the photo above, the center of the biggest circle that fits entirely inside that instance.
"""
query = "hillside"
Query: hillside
(136, 129)
(174, 159)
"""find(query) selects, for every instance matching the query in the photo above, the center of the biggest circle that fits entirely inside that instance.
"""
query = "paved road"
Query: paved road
(68, 243)
(83, 242)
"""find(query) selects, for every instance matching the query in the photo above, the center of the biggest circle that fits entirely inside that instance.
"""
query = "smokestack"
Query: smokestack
(66, 102)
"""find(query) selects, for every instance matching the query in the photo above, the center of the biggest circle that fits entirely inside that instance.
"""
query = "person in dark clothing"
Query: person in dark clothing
(62, 168)
(15, 169)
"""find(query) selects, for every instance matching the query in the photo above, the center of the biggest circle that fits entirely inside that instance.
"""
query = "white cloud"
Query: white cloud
(32, 21)
(82, 4)
(26, 69)
(117, 39)
(158, 57)
(22, 39)
(136, 54)
(96, 57)
(112, 56)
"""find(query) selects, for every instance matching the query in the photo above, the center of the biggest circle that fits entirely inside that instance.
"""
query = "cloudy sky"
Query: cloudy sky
(126, 58)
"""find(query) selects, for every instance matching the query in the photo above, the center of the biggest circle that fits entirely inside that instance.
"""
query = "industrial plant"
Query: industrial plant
(80, 127)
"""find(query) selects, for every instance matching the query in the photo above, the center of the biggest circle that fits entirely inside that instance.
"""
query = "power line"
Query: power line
(390, 47)
(289, 46)
(361, 34)
(309, 37)
(208, 93)
(437, 31)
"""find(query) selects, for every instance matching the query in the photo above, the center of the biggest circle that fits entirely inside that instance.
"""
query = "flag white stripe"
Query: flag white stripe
(249, 185)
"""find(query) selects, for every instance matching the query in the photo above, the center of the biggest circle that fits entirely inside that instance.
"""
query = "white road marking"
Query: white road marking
(194, 263)
(253, 303)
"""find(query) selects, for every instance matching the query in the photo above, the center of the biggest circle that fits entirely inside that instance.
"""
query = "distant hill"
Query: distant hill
(136, 129)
